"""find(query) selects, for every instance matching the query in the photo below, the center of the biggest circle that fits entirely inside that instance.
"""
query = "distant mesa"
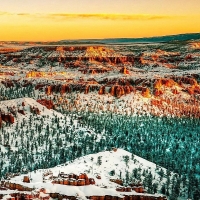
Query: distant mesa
(167, 38)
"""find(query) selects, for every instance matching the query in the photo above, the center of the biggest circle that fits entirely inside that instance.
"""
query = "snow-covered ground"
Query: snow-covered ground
(18, 103)
(111, 161)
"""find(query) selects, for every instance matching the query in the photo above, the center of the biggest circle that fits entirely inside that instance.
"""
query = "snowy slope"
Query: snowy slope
(25, 125)
(17, 103)
(88, 164)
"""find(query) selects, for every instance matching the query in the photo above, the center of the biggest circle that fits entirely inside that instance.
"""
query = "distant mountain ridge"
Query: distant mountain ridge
(167, 38)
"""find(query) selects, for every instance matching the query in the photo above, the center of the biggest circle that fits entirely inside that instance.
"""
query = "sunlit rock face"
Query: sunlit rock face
(195, 45)
(91, 54)
(47, 103)
(148, 73)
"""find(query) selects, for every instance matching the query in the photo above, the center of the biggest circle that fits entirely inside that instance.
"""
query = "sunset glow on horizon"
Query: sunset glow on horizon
(75, 19)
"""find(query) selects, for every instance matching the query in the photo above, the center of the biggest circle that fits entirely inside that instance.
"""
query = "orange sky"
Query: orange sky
(80, 19)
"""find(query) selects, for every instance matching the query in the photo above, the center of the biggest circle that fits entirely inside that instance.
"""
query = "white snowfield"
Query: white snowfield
(17, 103)
(88, 164)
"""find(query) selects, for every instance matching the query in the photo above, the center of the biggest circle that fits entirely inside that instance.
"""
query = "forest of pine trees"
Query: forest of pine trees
(41, 142)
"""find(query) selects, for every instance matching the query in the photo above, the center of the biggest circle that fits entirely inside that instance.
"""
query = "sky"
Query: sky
(51, 20)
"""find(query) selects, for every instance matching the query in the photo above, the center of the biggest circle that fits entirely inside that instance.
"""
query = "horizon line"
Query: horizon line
(99, 38)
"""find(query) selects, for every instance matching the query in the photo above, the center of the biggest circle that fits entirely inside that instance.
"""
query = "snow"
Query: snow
(28, 102)
(88, 164)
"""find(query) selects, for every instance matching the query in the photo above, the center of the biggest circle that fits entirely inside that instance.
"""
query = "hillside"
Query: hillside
(102, 168)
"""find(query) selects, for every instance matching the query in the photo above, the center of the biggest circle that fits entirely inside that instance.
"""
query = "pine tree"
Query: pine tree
(99, 160)
(126, 159)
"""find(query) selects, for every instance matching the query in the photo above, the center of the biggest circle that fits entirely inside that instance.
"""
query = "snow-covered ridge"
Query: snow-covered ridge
(16, 110)
(108, 165)
(25, 103)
